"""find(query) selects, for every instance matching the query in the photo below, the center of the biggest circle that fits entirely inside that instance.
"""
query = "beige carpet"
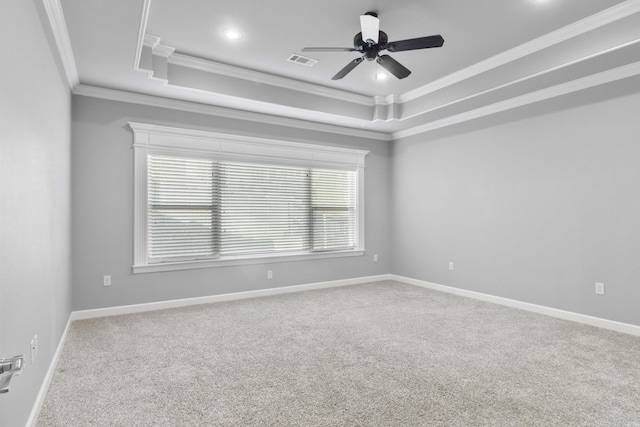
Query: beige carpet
(380, 354)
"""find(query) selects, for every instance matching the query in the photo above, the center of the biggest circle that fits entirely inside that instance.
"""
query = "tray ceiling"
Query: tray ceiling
(497, 55)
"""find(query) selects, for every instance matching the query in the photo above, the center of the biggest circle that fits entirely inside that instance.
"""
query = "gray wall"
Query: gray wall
(102, 160)
(535, 205)
(35, 282)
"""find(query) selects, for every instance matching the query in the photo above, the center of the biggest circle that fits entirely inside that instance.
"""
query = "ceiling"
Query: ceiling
(497, 55)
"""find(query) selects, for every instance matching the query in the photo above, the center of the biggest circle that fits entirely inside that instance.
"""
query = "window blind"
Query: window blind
(333, 196)
(202, 208)
(183, 208)
(264, 208)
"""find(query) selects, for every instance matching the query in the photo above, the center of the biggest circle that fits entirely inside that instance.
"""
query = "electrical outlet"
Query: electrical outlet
(34, 348)
(269, 274)
(106, 280)
(450, 265)
(599, 288)
(375, 258)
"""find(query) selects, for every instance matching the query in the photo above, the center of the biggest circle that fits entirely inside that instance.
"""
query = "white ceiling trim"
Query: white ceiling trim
(269, 79)
(274, 109)
(608, 16)
(387, 100)
(156, 48)
(389, 108)
(145, 62)
(523, 79)
(385, 109)
(193, 107)
(61, 36)
(587, 82)
(156, 59)
(142, 30)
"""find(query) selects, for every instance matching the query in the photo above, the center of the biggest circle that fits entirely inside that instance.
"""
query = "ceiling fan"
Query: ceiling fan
(370, 41)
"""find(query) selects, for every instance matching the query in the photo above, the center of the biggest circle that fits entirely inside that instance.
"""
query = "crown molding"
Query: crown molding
(597, 79)
(389, 108)
(157, 48)
(142, 30)
(63, 43)
(209, 66)
(524, 78)
(193, 107)
(153, 58)
(269, 79)
(587, 82)
(387, 100)
(590, 23)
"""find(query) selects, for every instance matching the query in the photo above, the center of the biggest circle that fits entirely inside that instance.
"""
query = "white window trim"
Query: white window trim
(156, 139)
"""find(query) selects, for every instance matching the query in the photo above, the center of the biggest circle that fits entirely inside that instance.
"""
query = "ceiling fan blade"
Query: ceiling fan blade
(393, 66)
(328, 49)
(418, 43)
(370, 25)
(346, 70)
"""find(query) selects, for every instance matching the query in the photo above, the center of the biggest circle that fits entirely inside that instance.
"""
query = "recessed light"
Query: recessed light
(231, 34)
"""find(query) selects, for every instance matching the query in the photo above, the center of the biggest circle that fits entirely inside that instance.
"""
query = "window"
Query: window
(204, 199)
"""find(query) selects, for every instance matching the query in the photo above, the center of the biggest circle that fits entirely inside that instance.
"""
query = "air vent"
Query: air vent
(303, 60)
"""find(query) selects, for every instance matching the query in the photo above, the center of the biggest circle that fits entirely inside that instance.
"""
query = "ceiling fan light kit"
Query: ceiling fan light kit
(370, 25)
(370, 41)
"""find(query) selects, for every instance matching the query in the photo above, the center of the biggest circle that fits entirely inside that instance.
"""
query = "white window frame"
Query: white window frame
(163, 140)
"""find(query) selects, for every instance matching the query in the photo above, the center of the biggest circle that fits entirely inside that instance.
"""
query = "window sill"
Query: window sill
(245, 260)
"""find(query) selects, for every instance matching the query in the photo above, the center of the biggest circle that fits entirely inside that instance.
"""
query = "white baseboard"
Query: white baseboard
(561, 314)
(138, 308)
(162, 305)
(44, 388)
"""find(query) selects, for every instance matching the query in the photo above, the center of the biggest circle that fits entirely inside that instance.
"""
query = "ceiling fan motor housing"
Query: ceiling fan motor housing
(369, 50)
